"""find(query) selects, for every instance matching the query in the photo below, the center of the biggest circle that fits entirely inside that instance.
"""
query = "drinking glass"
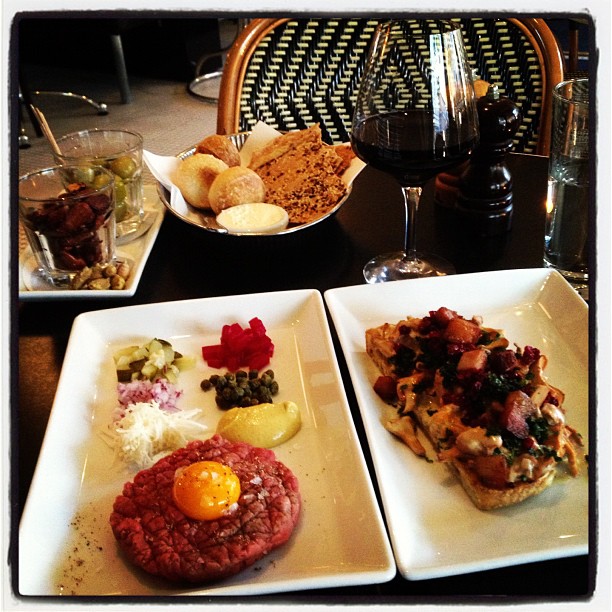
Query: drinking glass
(415, 116)
(119, 151)
(68, 216)
(567, 206)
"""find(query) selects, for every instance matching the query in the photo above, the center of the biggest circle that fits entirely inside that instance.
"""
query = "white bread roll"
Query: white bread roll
(236, 185)
(195, 175)
(221, 147)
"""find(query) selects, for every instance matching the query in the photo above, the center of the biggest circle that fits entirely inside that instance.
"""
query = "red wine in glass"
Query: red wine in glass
(415, 116)
(403, 144)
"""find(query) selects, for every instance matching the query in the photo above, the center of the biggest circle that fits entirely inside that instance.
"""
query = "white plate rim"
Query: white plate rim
(380, 569)
(526, 285)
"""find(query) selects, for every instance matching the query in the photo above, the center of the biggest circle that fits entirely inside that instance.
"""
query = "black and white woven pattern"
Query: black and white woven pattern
(308, 71)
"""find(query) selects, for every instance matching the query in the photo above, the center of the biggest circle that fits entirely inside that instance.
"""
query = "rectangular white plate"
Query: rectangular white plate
(136, 252)
(340, 539)
(435, 530)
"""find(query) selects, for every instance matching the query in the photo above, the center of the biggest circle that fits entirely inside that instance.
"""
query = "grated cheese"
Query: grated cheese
(146, 433)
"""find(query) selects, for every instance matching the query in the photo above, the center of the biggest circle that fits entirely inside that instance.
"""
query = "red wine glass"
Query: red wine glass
(415, 116)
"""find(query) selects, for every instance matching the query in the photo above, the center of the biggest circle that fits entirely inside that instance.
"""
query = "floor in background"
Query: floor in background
(168, 117)
(162, 110)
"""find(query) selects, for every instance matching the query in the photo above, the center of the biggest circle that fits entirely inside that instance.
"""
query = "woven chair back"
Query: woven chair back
(305, 71)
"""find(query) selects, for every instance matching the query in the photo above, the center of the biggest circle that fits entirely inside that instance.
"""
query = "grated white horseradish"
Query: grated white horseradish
(146, 433)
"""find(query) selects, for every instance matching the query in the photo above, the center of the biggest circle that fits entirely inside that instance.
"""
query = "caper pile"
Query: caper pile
(241, 389)
(102, 277)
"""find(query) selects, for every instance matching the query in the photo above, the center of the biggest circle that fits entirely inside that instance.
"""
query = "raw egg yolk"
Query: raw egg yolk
(205, 490)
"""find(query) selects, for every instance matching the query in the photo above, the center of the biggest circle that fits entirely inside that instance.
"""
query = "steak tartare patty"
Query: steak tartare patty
(156, 536)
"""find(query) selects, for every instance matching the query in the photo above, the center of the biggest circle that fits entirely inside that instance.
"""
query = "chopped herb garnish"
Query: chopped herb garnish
(538, 428)
(488, 337)
(403, 361)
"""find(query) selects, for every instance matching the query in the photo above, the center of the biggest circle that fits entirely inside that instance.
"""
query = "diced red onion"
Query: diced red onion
(161, 391)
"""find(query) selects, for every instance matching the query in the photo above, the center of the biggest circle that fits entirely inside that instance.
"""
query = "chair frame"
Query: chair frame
(239, 55)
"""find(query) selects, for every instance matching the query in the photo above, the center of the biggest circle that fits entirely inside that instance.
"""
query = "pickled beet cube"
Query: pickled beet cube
(240, 347)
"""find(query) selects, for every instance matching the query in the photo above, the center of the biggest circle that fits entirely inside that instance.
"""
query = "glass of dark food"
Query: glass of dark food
(67, 213)
(415, 116)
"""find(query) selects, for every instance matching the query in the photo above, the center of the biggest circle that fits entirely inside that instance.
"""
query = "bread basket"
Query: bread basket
(206, 219)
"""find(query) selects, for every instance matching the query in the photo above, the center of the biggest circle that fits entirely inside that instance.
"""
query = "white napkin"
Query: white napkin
(163, 167)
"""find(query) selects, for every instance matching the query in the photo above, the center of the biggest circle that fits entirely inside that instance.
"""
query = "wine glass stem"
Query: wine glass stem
(412, 195)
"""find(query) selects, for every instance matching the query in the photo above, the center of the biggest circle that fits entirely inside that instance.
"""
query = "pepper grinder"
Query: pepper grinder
(484, 201)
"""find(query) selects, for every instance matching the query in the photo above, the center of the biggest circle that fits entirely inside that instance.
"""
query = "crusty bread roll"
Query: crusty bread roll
(195, 175)
(221, 147)
(236, 185)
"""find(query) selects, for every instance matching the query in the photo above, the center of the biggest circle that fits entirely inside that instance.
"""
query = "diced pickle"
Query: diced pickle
(149, 370)
(124, 375)
(184, 363)
(138, 365)
(169, 354)
(155, 359)
(154, 346)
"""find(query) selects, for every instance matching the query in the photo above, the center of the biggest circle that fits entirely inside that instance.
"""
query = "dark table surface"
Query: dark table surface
(188, 262)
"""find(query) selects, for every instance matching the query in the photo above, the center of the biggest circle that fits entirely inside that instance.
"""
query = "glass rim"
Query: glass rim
(67, 196)
(80, 133)
(451, 25)
(559, 86)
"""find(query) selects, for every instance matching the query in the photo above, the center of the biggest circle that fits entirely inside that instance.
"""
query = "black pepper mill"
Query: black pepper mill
(484, 201)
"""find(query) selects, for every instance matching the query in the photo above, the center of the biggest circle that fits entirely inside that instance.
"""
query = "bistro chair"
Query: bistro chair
(291, 73)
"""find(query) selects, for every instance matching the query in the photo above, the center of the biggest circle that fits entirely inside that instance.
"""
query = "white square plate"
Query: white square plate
(435, 530)
(340, 539)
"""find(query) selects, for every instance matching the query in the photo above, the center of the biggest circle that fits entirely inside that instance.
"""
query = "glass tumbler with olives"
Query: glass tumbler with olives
(67, 213)
(120, 152)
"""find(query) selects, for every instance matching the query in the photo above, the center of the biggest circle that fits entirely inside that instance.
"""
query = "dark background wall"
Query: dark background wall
(167, 48)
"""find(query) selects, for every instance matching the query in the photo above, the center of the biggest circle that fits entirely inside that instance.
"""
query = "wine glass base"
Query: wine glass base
(396, 266)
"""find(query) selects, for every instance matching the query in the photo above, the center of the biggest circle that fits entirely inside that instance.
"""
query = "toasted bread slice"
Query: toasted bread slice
(437, 426)
(302, 173)
(487, 498)
(478, 434)
(381, 348)
(285, 143)
(304, 181)
(346, 154)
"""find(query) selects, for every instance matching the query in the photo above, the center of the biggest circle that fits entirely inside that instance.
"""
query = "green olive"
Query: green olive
(84, 175)
(120, 210)
(100, 180)
(120, 190)
(124, 166)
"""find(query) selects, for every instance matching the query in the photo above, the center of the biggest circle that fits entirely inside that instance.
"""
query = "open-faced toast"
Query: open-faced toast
(487, 409)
